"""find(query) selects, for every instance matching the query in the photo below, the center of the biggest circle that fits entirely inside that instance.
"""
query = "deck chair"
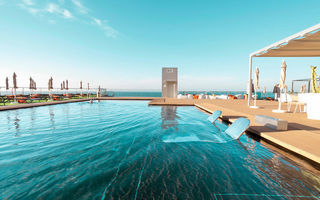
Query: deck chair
(302, 101)
(237, 128)
(214, 116)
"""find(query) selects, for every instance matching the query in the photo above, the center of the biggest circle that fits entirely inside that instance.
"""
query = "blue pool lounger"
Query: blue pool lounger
(237, 128)
(214, 116)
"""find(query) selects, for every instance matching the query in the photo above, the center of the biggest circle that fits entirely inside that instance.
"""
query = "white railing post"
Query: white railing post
(250, 80)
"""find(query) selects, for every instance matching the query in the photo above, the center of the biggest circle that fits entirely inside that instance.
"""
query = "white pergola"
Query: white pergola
(303, 44)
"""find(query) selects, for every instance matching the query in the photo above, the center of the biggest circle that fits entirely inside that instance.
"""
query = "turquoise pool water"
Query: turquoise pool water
(127, 150)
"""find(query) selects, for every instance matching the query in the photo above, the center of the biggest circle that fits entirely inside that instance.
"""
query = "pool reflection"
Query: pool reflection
(17, 124)
(51, 114)
(169, 117)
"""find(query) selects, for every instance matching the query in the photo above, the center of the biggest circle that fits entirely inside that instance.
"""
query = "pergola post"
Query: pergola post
(250, 80)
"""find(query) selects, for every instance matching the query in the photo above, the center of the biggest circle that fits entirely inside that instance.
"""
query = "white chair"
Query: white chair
(222, 96)
(302, 101)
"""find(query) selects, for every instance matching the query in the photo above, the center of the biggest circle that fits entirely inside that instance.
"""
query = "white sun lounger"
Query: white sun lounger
(214, 116)
(237, 128)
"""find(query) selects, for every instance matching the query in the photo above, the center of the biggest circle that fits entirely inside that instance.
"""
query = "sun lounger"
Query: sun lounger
(222, 96)
(237, 128)
(214, 116)
(4, 100)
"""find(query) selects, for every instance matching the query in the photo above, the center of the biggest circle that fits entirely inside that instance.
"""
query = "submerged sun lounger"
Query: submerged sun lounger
(214, 116)
(237, 128)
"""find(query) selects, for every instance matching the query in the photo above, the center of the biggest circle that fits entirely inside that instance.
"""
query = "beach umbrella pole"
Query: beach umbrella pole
(279, 106)
(15, 95)
(279, 100)
(255, 98)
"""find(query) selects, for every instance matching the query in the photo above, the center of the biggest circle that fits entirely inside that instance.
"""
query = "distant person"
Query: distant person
(252, 87)
(276, 91)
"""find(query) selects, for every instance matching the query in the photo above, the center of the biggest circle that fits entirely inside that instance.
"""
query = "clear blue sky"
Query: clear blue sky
(123, 44)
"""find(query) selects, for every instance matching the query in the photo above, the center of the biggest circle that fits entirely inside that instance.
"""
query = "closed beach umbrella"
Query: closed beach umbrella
(256, 87)
(61, 86)
(67, 85)
(282, 86)
(88, 87)
(15, 86)
(256, 79)
(30, 83)
(7, 83)
(64, 85)
(283, 74)
(50, 83)
(80, 85)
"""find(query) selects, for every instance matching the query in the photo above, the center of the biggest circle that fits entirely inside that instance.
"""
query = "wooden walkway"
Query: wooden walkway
(30, 105)
(302, 137)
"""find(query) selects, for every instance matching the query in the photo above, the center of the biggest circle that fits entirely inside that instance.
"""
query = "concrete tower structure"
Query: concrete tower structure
(169, 82)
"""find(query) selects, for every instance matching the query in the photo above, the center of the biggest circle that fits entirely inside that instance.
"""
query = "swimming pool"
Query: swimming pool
(127, 150)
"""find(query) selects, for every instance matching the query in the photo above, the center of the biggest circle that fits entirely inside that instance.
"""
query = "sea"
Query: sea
(158, 93)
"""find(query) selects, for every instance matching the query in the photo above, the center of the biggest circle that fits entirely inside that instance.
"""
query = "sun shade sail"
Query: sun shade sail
(303, 44)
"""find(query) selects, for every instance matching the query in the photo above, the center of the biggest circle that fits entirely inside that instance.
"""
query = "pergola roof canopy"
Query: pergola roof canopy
(303, 44)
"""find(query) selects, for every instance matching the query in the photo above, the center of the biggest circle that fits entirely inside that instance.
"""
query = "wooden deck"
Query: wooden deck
(302, 137)
(30, 105)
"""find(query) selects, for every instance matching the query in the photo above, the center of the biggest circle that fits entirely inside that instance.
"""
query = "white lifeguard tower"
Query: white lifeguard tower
(169, 82)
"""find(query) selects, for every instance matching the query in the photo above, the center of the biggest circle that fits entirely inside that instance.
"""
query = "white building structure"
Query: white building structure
(169, 82)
